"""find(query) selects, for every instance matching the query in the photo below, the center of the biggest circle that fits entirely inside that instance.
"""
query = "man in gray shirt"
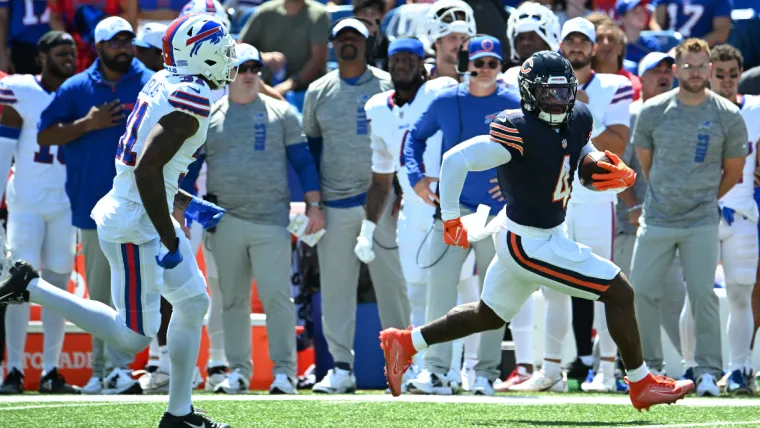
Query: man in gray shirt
(251, 138)
(691, 144)
(336, 125)
(656, 73)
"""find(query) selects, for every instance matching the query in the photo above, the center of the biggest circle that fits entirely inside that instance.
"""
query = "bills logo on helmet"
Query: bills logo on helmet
(210, 32)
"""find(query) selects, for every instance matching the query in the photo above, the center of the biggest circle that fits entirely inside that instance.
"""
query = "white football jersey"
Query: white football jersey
(39, 173)
(741, 197)
(163, 94)
(609, 99)
(510, 78)
(390, 125)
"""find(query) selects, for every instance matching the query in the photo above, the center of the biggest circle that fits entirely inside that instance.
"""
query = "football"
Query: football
(589, 167)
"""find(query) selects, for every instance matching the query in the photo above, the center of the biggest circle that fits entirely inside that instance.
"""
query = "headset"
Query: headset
(372, 42)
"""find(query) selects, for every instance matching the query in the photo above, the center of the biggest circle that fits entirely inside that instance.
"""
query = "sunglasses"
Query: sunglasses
(492, 64)
(723, 76)
(118, 43)
(246, 68)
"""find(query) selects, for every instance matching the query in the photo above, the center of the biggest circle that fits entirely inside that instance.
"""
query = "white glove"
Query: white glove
(363, 248)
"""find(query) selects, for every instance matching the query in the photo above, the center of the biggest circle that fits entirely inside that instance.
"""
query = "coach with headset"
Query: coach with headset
(337, 129)
(461, 112)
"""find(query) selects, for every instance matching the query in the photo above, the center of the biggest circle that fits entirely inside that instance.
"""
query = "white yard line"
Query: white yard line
(52, 405)
(703, 424)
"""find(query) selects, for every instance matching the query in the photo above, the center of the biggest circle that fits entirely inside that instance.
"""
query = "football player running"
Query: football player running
(148, 253)
(532, 247)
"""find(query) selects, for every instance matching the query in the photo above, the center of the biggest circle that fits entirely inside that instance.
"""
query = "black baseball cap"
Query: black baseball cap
(52, 39)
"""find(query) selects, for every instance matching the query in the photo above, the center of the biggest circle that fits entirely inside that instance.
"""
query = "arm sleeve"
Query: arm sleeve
(475, 154)
(736, 139)
(416, 142)
(320, 30)
(299, 155)
(60, 110)
(642, 133)
(191, 99)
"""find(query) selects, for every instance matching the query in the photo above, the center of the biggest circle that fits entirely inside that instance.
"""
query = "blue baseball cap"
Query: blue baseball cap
(406, 44)
(624, 6)
(652, 59)
(484, 46)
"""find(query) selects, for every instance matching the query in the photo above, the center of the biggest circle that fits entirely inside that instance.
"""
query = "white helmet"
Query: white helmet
(211, 7)
(537, 18)
(450, 16)
(198, 44)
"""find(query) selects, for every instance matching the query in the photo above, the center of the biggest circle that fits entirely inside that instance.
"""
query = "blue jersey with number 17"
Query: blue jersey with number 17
(28, 20)
(694, 18)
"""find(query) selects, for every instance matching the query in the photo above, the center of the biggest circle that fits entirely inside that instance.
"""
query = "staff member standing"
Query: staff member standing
(336, 125)
(88, 117)
(461, 112)
(692, 144)
(251, 139)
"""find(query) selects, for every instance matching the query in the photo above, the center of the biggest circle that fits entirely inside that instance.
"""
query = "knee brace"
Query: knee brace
(191, 310)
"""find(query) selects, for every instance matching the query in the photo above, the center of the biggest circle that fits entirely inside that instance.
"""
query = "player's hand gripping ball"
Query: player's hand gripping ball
(590, 166)
(605, 172)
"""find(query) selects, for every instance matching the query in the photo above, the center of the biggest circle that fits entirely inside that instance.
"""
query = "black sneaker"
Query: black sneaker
(196, 418)
(13, 383)
(54, 383)
(13, 287)
(577, 370)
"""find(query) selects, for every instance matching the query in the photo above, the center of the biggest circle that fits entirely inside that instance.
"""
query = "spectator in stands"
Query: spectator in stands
(634, 18)
(705, 19)
(87, 117)
(449, 25)
(680, 207)
(750, 81)
(158, 12)
(610, 41)
(291, 34)
(148, 46)
(491, 19)
(336, 126)
(252, 240)
(745, 33)
(371, 13)
(19, 31)
(569, 9)
(531, 28)
(656, 73)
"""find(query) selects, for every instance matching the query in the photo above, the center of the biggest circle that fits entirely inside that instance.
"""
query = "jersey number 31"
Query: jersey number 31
(562, 189)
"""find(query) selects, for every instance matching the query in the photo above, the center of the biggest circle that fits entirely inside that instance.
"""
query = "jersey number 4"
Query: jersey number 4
(127, 141)
(563, 187)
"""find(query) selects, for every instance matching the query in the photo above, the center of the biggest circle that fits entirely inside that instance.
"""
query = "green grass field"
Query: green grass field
(378, 410)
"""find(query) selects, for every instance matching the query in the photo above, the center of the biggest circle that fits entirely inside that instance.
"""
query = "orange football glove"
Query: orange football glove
(455, 234)
(620, 176)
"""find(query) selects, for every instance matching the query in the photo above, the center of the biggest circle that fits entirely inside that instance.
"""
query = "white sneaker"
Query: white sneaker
(432, 383)
(156, 382)
(336, 381)
(235, 383)
(455, 380)
(600, 383)
(540, 382)
(707, 386)
(94, 386)
(468, 379)
(483, 386)
(215, 376)
(120, 381)
(282, 384)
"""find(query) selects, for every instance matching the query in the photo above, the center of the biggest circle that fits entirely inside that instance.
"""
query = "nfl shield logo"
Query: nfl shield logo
(401, 115)
(564, 143)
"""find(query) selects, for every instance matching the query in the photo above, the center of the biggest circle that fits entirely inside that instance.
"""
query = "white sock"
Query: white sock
(417, 340)
(522, 333)
(457, 347)
(53, 325)
(16, 325)
(740, 324)
(558, 319)
(153, 352)
(214, 326)
(184, 340)
(688, 337)
(552, 369)
(607, 367)
(164, 361)
(637, 374)
(587, 360)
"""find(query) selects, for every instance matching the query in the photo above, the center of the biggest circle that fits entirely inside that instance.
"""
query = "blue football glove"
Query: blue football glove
(169, 260)
(728, 214)
(204, 212)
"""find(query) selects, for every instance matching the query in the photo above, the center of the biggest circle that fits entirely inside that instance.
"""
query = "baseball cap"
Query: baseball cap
(350, 23)
(110, 27)
(151, 35)
(52, 39)
(482, 46)
(624, 6)
(407, 44)
(245, 52)
(652, 59)
(579, 25)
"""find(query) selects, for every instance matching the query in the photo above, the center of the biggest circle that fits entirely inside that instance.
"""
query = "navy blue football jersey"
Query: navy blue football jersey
(537, 182)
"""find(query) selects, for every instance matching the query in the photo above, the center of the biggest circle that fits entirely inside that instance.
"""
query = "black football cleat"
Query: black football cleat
(196, 418)
(13, 287)
(13, 383)
(54, 383)
(577, 370)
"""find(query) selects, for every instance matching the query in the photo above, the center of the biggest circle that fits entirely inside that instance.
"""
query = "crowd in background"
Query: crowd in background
(302, 73)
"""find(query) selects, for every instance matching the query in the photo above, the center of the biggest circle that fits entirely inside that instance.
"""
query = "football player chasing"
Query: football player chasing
(536, 150)
(148, 253)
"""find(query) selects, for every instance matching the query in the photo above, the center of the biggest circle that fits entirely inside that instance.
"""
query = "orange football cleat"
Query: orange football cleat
(399, 350)
(657, 390)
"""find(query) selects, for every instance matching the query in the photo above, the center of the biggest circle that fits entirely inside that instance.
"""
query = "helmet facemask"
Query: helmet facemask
(219, 70)
(551, 101)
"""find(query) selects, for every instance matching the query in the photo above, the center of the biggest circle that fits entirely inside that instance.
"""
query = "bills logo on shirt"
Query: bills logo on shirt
(362, 124)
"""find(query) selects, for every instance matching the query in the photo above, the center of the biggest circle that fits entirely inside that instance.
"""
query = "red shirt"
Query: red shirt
(635, 82)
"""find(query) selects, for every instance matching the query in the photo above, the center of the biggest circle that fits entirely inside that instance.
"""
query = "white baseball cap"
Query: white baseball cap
(151, 35)
(579, 25)
(245, 52)
(110, 27)
(352, 23)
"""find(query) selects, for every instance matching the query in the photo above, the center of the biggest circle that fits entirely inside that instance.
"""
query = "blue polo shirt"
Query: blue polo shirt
(90, 166)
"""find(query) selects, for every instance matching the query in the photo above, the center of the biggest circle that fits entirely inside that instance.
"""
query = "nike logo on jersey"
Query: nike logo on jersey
(197, 91)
